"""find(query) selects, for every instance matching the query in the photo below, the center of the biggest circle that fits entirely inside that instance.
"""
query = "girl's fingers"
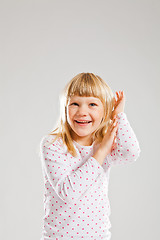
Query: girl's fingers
(117, 94)
(113, 122)
(114, 129)
(114, 125)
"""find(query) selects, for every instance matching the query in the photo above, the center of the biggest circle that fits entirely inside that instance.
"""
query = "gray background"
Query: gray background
(43, 45)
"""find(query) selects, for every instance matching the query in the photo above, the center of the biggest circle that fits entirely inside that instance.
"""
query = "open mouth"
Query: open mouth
(83, 123)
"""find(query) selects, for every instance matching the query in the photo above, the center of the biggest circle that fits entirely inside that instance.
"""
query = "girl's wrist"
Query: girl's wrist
(104, 150)
(100, 155)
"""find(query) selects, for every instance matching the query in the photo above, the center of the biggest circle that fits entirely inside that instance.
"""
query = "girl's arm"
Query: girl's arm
(127, 149)
(69, 184)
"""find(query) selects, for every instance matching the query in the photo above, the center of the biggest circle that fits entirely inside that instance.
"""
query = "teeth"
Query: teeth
(83, 121)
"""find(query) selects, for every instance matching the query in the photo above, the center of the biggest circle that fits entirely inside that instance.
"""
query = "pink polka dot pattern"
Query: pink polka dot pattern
(127, 150)
(76, 200)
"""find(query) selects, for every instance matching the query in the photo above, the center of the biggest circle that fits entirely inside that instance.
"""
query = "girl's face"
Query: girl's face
(84, 115)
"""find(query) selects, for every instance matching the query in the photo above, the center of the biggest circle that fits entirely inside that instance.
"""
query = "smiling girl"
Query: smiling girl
(92, 135)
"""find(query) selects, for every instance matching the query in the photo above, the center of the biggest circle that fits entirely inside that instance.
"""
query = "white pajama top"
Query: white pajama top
(76, 203)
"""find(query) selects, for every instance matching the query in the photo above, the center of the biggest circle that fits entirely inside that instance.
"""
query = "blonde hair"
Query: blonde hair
(84, 84)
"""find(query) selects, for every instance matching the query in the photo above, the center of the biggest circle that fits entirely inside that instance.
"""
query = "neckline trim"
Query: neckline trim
(76, 143)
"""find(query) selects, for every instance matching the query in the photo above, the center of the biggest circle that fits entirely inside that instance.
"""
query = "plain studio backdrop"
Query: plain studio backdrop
(43, 45)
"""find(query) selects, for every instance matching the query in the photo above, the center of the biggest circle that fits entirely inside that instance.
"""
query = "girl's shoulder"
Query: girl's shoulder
(49, 141)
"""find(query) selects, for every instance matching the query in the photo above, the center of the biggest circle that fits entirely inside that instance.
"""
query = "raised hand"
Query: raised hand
(114, 144)
(119, 103)
(108, 142)
(106, 146)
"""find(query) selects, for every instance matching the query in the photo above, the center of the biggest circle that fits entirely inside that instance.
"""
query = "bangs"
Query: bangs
(87, 85)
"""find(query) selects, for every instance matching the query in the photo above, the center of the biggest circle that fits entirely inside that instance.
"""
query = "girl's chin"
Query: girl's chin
(82, 134)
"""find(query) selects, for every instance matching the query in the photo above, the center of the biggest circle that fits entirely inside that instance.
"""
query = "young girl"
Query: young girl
(93, 134)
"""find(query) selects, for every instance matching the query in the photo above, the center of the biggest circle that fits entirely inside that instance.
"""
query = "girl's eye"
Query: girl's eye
(94, 104)
(74, 104)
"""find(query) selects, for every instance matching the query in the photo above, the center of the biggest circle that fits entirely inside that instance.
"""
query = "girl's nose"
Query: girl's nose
(82, 110)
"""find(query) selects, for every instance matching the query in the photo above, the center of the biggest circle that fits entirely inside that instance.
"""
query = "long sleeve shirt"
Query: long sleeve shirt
(76, 202)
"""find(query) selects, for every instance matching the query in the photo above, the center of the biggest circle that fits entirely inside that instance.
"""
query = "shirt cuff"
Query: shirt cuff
(99, 168)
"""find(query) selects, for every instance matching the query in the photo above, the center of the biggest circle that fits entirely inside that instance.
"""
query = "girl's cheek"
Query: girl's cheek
(97, 114)
(71, 113)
